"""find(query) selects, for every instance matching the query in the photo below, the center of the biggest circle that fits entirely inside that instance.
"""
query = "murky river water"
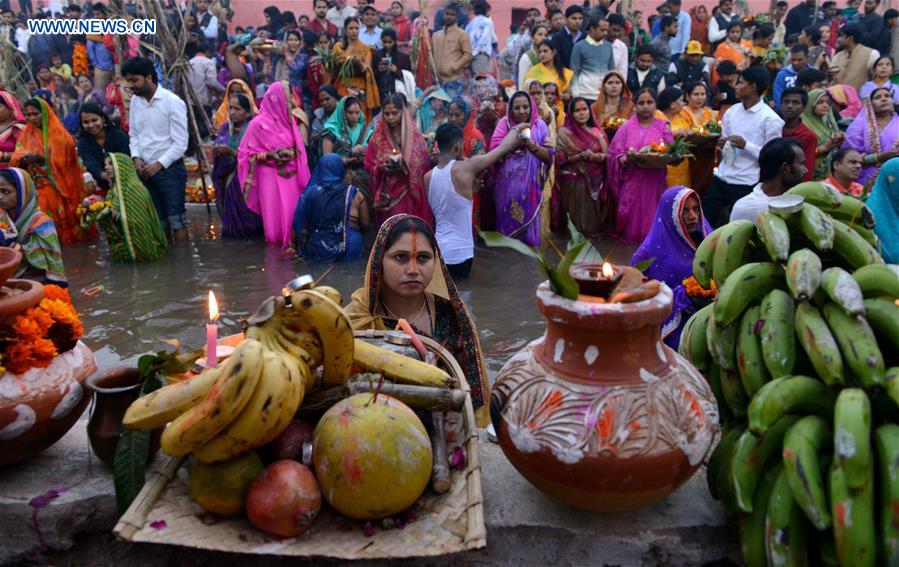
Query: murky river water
(143, 305)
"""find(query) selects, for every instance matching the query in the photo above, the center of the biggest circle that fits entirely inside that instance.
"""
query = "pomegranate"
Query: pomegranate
(289, 445)
(284, 500)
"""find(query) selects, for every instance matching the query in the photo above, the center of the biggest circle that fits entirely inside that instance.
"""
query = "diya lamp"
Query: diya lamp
(596, 280)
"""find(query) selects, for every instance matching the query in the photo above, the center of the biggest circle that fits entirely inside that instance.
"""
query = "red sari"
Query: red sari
(401, 191)
(10, 135)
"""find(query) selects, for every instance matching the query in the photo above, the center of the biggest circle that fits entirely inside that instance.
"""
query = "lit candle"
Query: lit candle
(607, 271)
(212, 333)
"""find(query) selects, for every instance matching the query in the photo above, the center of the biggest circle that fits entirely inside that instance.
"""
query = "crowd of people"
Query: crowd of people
(327, 125)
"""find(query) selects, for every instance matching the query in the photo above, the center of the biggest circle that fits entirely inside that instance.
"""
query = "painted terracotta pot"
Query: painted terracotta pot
(9, 263)
(599, 413)
(19, 295)
(39, 406)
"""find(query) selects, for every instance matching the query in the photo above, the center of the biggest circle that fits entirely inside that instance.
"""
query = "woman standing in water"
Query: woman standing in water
(238, 221)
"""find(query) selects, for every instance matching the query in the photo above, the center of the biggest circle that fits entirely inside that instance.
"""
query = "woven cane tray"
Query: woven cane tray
(165, 513)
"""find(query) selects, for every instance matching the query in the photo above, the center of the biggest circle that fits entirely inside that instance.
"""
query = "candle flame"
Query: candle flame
(213, 307)
(607, 270)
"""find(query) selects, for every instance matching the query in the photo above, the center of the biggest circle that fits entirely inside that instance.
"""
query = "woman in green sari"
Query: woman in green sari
(131, 226)
(345, 134)
(819, 117)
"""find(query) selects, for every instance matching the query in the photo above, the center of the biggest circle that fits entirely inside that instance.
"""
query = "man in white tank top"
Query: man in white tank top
(451, 185)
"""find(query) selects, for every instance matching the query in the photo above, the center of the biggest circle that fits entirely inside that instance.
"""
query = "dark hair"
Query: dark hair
(140, 66)
(668, 97)
(839, 156)
(244, 101)
(451, 6)
(396, 100)
(39, 66)
(784, 3)
(594, 21)
(690, 87)
(480, 7)
(287, 17)
(93, 108)
(573, 101)
(7, 175)
(521, 94)
(651, 91)
(572, 10)
(294, 33)
(727, 68)
(447, 135)
(758, 76)
(389, 32)
(667, 21)
(35, 104)
(190, 50)
(808, 77)
(67, 89)
(346, 24)
(548, 84)
(795, 91)
(539, 25)
(413, 224)
(674, 2)
(875, 91)
(887, 57)
(350, 101)
(272, 12)
(774, 155)
(331, 90)
(800, 48)
(557, 59)
(854, 31)
(890, 14)
(645, 49)
(368, 8)
(734, 24)
(813, 34)
(314, 2)
(824, 6)
(616, 20)
(553, 12)
(763, 32)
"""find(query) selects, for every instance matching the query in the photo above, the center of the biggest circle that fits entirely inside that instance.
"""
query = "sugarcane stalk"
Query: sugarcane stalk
(419, 397)
(440, 473)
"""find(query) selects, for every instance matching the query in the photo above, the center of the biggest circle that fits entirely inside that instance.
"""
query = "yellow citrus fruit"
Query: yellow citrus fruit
(221, 488)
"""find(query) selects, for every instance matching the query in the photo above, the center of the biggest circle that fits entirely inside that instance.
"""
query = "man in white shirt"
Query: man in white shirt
(617, 30)
(745, 128)
(207, 21)
(158, 137)
(370, 34)
(339, 12)
(781, 167)
(202, 74)
(718, 24)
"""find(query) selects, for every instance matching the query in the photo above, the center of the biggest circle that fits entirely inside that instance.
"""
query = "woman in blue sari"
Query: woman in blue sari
(884, 203)
(238, 221)
(330, 216)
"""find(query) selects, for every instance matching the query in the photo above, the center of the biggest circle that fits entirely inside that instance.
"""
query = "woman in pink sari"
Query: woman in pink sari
(636, 189)
(12, 122)
(271, 164)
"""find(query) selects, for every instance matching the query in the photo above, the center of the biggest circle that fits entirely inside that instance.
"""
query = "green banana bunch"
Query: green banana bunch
(735, 396)
(752, 524)
(803, 274)
(852, 248)
(746, 284)
(803, 444)
(878, 280)
(704, 258)
(851, 436)
(786, 529)
(722, 341)
(788, 395)
(717, 475)
(731, 249)
(886, 447)
(883, 316)
(817, 227)
(778, 333)
(751, 455)
(750, 362)
(857, 344)
(843, 290)
(775, 235)
(820, 346)
(694, 345)
(853, 520)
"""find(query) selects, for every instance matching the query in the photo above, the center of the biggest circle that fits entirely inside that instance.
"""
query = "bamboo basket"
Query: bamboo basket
(165, 513)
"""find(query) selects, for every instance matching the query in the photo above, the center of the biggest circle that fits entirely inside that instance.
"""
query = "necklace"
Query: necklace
(395, 316)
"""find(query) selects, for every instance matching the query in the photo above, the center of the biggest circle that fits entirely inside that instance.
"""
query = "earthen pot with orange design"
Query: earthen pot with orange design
(598, 412)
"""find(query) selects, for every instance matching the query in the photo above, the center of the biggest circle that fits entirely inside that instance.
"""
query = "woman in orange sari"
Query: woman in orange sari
(361, 83)
(47, 151)
(696, 171)
(613, 100)
(234, 86)
(733, 49)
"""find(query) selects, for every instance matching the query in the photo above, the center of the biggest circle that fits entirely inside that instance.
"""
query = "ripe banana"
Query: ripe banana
(788, 395)
(314, 311)
(777, 333)
(704, 258)
(331, 293)
(750, 362)
(878, 280)
(397, 367)
(886, 446)
(852, 248)
(271, 408)
(693, 344)
(818, 193)
(734, 395)
(853, 520)
(852, 435)
(843, 290)
(751, 456)
(722, 341)
(809, 438)
(803, 274)
(786, 529)
(273, 337)
(746, 284)
(731, 249)
(165, 404)
(775, 235)
(820, 346)
(857, 344)
(816, 226)
(883, 316)
(715, 470)
(752, 525)
(227, 398)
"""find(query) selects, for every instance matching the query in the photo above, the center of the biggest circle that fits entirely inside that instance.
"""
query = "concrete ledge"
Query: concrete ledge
(524, 527)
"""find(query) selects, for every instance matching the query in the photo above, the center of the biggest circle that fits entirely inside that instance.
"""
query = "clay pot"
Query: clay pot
(19, 295)
(599, 413)
(113, 393)
(41, 405)
(9, 263)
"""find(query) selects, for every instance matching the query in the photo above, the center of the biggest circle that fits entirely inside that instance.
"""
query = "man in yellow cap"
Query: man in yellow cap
(690, 68)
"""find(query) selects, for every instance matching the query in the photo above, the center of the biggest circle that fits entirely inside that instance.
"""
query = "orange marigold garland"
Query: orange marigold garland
(694, 289)
(35, 337)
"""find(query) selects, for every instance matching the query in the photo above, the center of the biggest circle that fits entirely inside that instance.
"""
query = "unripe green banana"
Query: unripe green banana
(816, 226)
(786, 529)
(878, 280)
(752, 525)
(734, 395)
(852, 436)
(857, 344)
(852, 248)
(722, 341)
(694, 344)
(788, 395)
(778, 334)
(803, 444)
(746, 284)
(704, 258)
(818, 193)
(819, 344)
(803, 274)
(751, 456)
(716, 468)
(843, 290)
(891, 379)
(713, 377)
(886, 447)
(883, 316)
(731, 248)
(750, 363)
(868, 235)
(853, 520)
(775, 235)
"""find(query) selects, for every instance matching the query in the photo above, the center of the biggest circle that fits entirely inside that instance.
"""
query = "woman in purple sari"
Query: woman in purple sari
(636, 189)
(238, 221)
(677, 230)
(519, 178)
(875, 134)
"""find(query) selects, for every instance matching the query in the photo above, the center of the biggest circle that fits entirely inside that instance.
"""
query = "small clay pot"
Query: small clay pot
(9, 262)
(113, 393)
(19, 295)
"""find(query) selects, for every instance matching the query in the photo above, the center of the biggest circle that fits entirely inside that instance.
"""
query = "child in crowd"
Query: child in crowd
(60, 69)
(725, 87)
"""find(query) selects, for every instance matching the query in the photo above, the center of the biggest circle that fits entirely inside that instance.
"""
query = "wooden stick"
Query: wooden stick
(420, 397)
(440, 474)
